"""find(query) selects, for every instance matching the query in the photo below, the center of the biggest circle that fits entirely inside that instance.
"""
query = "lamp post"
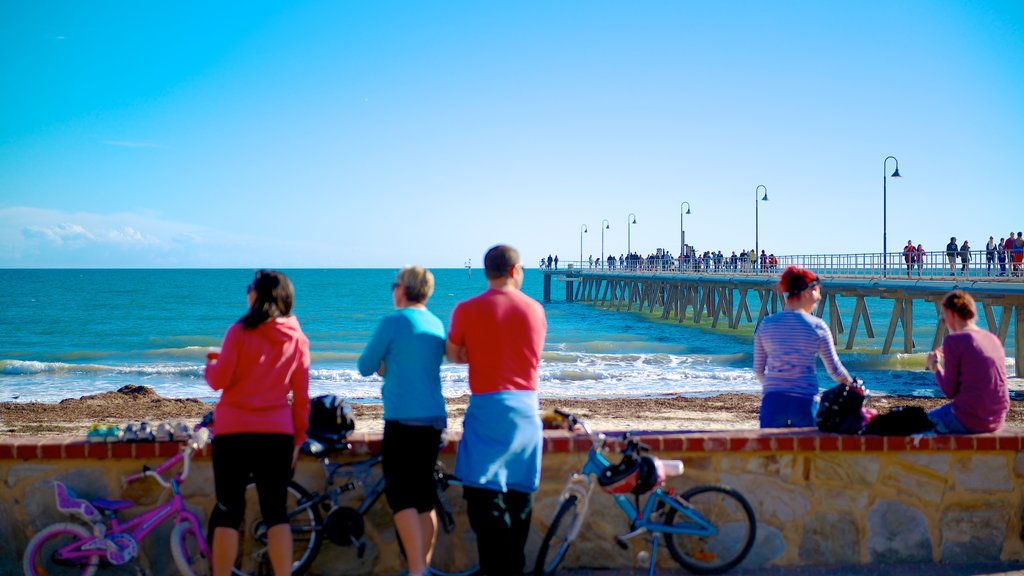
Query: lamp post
(682, 234)
(583, 230)
(757, 247)
(895, 174)
(606, 226)
(632, 217)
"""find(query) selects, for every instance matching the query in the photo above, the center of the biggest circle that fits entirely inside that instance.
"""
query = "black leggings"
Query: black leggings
(240, 459)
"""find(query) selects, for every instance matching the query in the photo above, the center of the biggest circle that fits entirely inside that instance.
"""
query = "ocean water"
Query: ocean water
(68, 333)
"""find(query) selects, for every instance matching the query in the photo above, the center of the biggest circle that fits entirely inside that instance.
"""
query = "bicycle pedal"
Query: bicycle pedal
(622, 543)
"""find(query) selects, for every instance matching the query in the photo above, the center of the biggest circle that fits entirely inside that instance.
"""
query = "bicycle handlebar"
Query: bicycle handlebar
(197, 442)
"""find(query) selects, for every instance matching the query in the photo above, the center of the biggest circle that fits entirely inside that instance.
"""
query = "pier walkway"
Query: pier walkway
(714, 295)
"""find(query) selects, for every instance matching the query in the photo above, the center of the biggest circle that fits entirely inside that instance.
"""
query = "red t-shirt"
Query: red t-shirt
(503, 334)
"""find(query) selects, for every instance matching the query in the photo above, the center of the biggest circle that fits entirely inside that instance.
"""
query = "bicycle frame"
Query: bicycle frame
(117, 542)
(640, 519)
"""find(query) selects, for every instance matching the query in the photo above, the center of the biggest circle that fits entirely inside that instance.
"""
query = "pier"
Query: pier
(713, 297)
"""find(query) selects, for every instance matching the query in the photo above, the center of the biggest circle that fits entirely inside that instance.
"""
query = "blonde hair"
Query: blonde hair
(960, 303)
(417, 282)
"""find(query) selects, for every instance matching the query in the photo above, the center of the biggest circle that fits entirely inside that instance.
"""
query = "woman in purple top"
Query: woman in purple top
(970, 369)
(786, 350)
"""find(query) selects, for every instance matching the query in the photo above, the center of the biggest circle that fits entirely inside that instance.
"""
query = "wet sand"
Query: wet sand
(73, 417)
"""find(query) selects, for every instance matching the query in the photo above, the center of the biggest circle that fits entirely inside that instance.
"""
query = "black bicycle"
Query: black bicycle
(319, 515)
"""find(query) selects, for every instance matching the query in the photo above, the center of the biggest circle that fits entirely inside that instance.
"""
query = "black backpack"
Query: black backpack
(840, 409)
(900, 421)
(330, 419)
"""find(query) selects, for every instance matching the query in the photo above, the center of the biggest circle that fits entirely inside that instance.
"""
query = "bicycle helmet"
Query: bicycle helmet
(633, 476)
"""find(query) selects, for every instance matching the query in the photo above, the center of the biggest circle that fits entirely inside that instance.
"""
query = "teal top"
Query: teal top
(410, 342)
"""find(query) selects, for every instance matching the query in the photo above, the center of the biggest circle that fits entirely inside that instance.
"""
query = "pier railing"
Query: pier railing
(933, 266)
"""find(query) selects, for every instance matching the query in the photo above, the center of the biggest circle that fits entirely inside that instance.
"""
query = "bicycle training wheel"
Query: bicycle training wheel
(304, 517)
(187, 551)
(40, 554)
(730, 514)
(556, 541)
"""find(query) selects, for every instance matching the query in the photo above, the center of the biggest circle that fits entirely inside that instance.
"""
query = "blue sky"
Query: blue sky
(362, 134)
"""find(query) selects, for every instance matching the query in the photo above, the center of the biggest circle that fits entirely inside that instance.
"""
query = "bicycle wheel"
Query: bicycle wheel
(186, 549)
(733, 518)
(305, 521)
(41, 552)
(556, 541)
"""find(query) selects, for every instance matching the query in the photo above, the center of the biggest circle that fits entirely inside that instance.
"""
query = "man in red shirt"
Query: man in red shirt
(500, 334)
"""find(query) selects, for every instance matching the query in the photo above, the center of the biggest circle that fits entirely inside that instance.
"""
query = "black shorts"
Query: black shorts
(410, 453)
(238, 460)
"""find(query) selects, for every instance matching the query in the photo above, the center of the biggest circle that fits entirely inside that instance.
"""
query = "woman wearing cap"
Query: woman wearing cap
(970, 369)
(407, 349)
(786, 348)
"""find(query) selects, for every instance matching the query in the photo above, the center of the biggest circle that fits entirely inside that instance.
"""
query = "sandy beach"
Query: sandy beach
(73, 417)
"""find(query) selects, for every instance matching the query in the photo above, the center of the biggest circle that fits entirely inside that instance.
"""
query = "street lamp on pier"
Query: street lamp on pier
(583, 230)
(632, 217)
(606, 226)
(895, 174)
(757, 246)
(682, 233)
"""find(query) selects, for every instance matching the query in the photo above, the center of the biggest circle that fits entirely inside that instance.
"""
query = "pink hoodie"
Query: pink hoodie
(256, 370)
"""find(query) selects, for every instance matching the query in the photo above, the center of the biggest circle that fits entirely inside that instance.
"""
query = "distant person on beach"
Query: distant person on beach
(500, 334)
(407, 349)
(263, 359)
(970, 369)
(920, 258)
(965, 257)
(786, 347)
(951, 253)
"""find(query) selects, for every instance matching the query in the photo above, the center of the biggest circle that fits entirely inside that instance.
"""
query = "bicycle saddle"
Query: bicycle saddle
(112, 505)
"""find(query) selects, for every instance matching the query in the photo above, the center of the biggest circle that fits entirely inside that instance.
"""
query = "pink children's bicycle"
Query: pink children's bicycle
(74, 548)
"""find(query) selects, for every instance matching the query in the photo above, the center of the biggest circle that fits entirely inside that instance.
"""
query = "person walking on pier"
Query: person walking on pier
(909, 254)
(1018, 255)
(951, 253)
(990, 255)
(500, 334)
(1009, 247)
(970, 369)
(407, 349)
(786, 347)
(920, 258)
(1001, 256)
(965, 258)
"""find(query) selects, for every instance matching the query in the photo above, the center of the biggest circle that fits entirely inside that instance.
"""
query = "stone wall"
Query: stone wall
(819, 498)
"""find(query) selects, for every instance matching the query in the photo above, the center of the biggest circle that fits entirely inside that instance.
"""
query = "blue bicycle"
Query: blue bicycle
(708, 529)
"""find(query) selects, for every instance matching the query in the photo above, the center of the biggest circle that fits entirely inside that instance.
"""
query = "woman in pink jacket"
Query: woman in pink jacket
(264, 359)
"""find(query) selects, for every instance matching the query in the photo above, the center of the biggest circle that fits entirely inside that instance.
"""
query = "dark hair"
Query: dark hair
(499, 260)
(796, 279)
(274, 298)
(960, 303)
